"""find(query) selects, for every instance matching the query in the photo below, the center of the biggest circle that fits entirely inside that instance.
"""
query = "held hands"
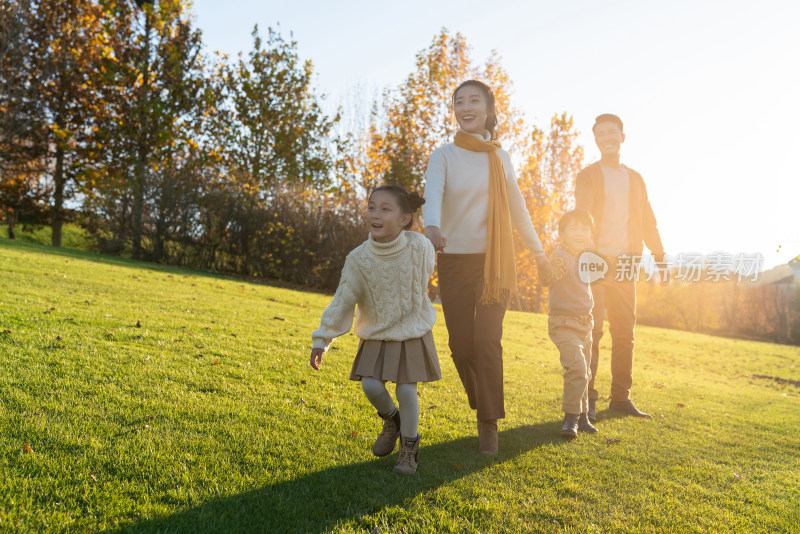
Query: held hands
(436, 238)
(545, 270)
(316, 358)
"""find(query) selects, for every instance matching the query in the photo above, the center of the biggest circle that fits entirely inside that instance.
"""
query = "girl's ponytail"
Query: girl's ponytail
(415, 201)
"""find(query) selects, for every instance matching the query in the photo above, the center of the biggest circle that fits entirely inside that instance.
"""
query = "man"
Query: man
(617, 198)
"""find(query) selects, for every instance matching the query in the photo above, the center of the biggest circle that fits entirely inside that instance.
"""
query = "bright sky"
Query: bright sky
(709, 91)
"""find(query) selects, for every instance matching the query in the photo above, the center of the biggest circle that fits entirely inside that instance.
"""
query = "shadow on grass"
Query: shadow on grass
(318, 501)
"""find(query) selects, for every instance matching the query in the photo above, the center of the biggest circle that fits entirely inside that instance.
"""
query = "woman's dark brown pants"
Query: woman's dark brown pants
(475, 331)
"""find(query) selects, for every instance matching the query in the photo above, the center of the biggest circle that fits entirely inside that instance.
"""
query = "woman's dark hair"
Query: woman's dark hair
(408, 202)
(491, 112)
(581, 216)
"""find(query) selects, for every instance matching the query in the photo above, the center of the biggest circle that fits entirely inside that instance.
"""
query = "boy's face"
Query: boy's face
(577, 237)
(608, 137)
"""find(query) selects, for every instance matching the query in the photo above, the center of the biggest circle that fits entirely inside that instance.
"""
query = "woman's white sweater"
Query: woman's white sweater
(457, 199)
(389, 283)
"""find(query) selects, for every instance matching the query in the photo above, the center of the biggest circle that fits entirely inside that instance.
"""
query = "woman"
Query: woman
(471, 201)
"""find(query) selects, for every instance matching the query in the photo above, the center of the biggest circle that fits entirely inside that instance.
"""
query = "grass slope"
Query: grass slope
(206, 418)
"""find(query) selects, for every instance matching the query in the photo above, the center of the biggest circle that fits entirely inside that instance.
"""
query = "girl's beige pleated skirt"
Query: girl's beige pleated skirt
(402, 362)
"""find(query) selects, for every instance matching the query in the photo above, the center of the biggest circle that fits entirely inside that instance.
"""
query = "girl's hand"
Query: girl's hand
(316, 358)
(437, 239)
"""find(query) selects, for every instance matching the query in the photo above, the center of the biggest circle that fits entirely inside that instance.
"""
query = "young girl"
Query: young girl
(387, 277)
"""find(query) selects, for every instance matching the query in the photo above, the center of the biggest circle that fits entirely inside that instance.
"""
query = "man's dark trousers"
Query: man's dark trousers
(616, 301)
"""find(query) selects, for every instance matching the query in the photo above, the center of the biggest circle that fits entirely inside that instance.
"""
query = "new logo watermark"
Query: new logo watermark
(684, 267)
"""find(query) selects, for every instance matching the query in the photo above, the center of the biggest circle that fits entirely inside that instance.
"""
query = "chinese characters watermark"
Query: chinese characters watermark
(685, 267)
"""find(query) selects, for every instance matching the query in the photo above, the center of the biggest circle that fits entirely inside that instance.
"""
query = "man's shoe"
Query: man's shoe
(626, 407)
(585, 426)
(387, 439)
(487, 437)
(407, 459)
(569, 428)
(592, 413)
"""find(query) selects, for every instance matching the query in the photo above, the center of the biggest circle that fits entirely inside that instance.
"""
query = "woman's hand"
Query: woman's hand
(316, 358)
(437, 239)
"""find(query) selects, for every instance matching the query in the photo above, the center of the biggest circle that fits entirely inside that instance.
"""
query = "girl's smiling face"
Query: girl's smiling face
(385, 217)
(471, 109)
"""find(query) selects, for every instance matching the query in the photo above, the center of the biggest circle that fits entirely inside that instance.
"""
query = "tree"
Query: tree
(270, 123)
(18, 121)
(155, 102)
(22, 193)
(65, 43)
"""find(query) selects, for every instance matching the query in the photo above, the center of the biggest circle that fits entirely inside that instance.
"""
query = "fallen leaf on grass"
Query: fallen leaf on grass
(609, 439)
(737, 477)
(27, 448)
(354, 433)
(659, 385)
(459, 467)
(681, 405)
(216, 362)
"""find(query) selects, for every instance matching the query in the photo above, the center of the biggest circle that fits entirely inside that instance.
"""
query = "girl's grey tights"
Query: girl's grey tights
(376, 392)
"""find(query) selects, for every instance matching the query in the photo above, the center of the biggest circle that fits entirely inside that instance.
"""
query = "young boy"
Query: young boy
(570, 323)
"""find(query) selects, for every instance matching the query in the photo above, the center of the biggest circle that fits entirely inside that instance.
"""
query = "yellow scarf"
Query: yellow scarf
(499, 272)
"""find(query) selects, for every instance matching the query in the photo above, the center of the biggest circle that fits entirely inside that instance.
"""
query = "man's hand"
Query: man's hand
(316, 358)
(437, 239)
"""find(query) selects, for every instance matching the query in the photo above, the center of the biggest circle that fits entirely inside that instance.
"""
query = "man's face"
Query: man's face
(608, 137)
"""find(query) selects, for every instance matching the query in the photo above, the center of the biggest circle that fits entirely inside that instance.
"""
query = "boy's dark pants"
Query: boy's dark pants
(475, 331)
(617, 299)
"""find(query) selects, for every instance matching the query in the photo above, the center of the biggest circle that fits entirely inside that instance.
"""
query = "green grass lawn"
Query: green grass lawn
(155, 399)
(72, 236)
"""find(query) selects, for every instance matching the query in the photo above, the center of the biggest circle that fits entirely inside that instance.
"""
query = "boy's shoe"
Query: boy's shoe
(592, 413)
(387, 439)
(487, 437)
(626, 407)
(569, 428)
(407, 459)
(585, 426)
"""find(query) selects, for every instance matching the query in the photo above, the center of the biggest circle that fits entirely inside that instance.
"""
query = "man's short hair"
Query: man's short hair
(581, 216)
(608, 117)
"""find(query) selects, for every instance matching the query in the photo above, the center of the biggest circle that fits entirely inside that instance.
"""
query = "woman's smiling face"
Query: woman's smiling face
(471, 109)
